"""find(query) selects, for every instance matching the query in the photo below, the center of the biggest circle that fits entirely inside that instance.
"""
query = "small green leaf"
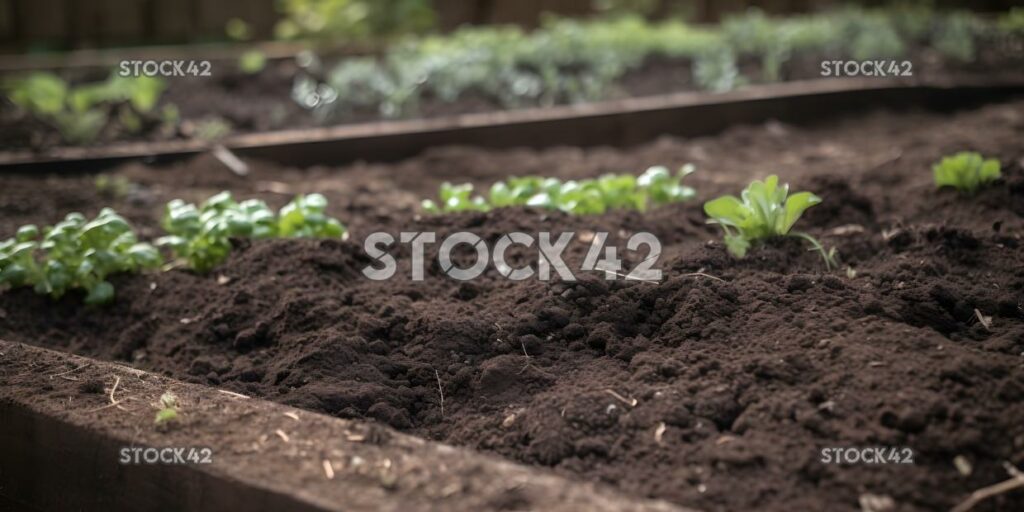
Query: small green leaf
(26, 233)
(737, 245)
(966, 172)
(44, 93)
(165, 415)
(796, 205)
(102, 293)
(725, 210)
(316, 202)
(145, 256)
(13, 274)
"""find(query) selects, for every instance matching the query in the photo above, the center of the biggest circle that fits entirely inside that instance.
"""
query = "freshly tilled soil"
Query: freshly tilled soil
(716, 388)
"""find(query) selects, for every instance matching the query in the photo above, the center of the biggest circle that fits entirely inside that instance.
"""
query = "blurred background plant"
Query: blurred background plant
(357, 59)
(81, 112)
(353, 20)
(564, 61)
(567, 61)
(55, 25)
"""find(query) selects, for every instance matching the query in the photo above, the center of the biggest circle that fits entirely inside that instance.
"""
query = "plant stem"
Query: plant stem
(828, 256)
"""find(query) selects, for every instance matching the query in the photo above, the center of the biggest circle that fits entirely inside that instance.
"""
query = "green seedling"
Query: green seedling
(655, 186)
(456, 198)
(966, 171)
(167, 408)
(764, 210)
(81, 112)
(75, 254)
(955, 36)
(353, 20)
(201, 236)
(304, 217)
(716, 70)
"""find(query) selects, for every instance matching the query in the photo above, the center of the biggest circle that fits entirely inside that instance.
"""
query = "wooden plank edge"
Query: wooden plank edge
(66, 427)
(608, 122)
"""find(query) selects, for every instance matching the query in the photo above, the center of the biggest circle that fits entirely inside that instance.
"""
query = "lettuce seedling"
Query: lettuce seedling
(764, 210)
(75, 254)
(579, 197)
(167, 408)
(663, 188)
(201, 237)
(528, 190)
(304, 217)
(966, 171)
(456, 198)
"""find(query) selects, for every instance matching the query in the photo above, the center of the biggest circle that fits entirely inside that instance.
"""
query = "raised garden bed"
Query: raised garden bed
(502, 69)
(622, 122)
(715, 389)
(94, 446)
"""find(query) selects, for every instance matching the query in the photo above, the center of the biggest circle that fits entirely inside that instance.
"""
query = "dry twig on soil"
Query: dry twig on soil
(440, 391)
(1015, 481)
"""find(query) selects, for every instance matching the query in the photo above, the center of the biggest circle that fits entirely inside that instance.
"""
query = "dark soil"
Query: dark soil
(62, 403)
(747, 369)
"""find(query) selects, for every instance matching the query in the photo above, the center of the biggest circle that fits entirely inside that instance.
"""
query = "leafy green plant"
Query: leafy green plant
(716, 70)
(349, 20)
(763, 210)
(565, 61)
(626, 7)
(167, 408)
(966, 171)
(774, 41)
(571, 61)
(593, 196)
(874, 37)
(756, 34)
(456, 198)
(912, 20)
(201, 236)
(81, 112)
(75, 254)
(955, 36)
(304, 217)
